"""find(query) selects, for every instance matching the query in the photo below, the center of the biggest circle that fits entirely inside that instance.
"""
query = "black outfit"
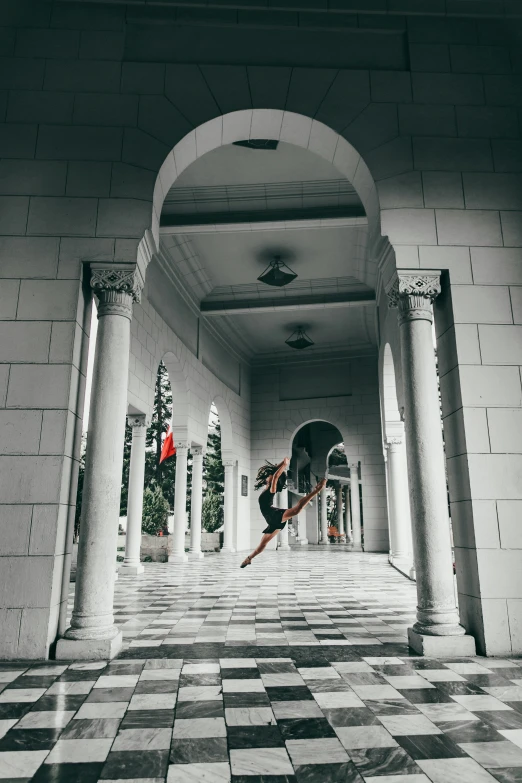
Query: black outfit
(273, 515)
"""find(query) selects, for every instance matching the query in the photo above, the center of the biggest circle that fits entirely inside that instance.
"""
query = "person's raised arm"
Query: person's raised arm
(275, 478)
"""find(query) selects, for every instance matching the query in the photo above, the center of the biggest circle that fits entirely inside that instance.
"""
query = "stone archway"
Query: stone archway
(273, 124)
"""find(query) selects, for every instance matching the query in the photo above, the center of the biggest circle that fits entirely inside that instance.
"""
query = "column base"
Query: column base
(88, 649)
(283, 548)
(442, 646)
(404, 566)
(131, 570)
(324, 543)
(303, 542)
(178, 558)
(357, 547)
(196, 555)
(227, 550)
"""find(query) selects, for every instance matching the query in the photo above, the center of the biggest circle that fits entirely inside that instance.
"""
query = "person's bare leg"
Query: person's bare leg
(265, 538)
(295, 510)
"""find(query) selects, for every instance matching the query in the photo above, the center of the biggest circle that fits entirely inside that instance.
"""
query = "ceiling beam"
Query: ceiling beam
(293, 303)
(265, 225)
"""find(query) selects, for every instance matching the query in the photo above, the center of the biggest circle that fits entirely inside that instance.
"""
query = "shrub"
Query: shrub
(155, 511)
(212, 513)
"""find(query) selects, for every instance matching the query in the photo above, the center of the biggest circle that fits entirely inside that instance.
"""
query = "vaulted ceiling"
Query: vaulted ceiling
(235, 209)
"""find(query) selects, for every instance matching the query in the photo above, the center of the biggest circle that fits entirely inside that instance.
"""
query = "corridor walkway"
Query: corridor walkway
(294, 670)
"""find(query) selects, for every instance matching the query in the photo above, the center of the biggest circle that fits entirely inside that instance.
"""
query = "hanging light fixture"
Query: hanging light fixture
(277, 273)
(299, 339)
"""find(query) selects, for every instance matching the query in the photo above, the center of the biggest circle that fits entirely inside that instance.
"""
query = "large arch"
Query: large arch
(274, 124)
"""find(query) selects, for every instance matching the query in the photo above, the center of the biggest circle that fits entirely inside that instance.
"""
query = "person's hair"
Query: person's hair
(266, 472)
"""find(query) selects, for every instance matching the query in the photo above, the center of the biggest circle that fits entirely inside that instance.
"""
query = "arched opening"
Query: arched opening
(249, 126)
(394, 447)
(213, 477)
(317, 450)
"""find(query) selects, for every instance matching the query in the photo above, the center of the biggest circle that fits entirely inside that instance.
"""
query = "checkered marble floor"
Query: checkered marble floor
(294, 670)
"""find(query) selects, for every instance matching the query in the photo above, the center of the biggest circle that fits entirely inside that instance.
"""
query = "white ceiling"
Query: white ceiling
(236, 259)
(232, 165)
(342, 328)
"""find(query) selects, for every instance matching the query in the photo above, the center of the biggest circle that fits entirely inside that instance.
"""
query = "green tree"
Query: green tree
(213, 470)
(155, 510)
(164, 474)
(212, 512)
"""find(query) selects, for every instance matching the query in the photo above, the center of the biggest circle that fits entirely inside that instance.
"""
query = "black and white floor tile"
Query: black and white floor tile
(295, 670)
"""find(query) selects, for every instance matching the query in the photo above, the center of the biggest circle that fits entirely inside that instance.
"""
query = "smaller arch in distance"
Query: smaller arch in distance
(389, 402)
(225, 421)
(180, 401)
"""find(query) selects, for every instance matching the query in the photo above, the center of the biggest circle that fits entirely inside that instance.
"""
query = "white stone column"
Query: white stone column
(437, 631)
(347, 520)
(92, 633)
(282, 538)
(401, 547)
(196, 504)
(132, 564)
(340, 516)
(355, 507)
(324, 518)
(177, 543)
(302, 538)
(228, 533)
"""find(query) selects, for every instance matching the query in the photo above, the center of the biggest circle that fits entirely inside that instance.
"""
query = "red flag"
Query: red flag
(168, 449)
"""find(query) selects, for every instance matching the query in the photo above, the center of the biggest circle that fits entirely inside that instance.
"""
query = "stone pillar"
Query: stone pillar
(302, 539)
(282, 538)
(340, 515)
(355, 507)
(347, 520)
(132, 564)
(324, 518)
(437, 631)
(398, 501)
(228, 533)
(92, 633)
(196, 504)
(177, 542)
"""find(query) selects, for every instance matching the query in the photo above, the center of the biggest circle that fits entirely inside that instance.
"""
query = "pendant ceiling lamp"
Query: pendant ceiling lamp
(299, 339)
(277, 273)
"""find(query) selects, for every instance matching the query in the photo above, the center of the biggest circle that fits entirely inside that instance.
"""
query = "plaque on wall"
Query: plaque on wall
(244, 486)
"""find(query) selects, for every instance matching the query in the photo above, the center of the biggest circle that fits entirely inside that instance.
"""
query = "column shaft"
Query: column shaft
(196, 504)
(131, 563)
(228, 533)
(437, 615)
(355, 506)
(301, 529)
(324, 517)
(92, 633)
(177, 550)
(347, 520)
(282, 538)
(340, 515)
(399, 504)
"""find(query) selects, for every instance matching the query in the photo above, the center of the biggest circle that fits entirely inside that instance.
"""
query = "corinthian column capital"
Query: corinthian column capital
(413, 294)
(137, 420)
(117, 286)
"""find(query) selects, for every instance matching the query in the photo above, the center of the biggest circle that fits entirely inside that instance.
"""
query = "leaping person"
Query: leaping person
(273, 478)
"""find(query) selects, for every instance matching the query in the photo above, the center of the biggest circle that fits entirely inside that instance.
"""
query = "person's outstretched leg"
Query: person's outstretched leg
(295, 510)
(266, 537)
